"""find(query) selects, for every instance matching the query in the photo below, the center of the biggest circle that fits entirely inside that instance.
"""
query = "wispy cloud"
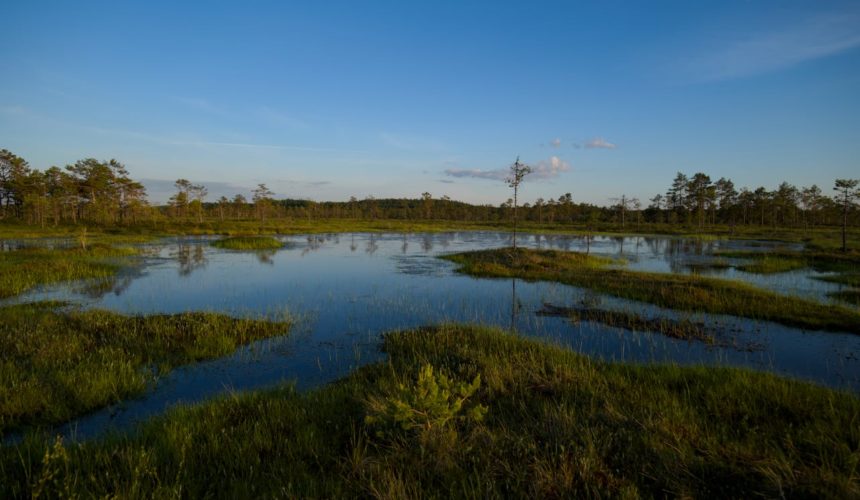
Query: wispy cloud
(278, 118)
(544, 169)
(556, 143)
(201, 104)
(599, 143)
(807, 39)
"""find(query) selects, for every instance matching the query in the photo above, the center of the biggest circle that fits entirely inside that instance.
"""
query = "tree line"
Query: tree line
(102, 192)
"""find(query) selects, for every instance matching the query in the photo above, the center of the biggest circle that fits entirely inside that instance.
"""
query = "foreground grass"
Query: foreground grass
(23, 270)
(472, 412)
(683, 292)
(56, 365)
(248, 243)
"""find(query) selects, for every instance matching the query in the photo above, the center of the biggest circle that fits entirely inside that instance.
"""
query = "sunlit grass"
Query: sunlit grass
(682, 292)
(55, 365)
(248, 243)
(555, 425)
(22, 270)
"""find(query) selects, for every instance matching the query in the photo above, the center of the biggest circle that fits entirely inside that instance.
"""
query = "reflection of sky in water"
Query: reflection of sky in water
(346, 289)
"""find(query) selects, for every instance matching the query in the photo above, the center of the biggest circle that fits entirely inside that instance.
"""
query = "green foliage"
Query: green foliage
(682, 292)
(558, 425)
(248, 243)
(55, 365)
(22, 270)
(434, 408)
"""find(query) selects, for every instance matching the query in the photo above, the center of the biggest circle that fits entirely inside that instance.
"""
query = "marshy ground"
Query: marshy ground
(460, 411)
(523, 416)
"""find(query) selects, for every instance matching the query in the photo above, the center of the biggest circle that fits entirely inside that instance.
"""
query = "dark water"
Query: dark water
(346, 289)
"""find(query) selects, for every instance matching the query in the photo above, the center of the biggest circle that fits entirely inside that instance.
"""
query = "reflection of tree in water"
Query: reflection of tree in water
(445, 239)
(427, 242)
(516, 305)
(352, 246)
(117, 284)
(619, 240)
(190, 257)
(405, 245)
(265, 256)
(372, 247)
(315, 242)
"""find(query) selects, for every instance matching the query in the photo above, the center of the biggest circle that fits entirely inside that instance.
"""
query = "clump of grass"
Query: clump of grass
(684, 329)
(683, 292)
(553, 424)
(715, 265)
(55, 365)
(848, 296)
(23, 270)
(850, 279)
(772, 265)
(248, 243)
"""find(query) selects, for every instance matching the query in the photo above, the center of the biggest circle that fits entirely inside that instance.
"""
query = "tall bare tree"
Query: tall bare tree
(518, 171)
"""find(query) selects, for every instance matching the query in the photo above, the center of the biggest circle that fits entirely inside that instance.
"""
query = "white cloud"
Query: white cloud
(770, 50)
(544, 169)
(547, 169)
(498, 174)
(555, 143)
(599, 143)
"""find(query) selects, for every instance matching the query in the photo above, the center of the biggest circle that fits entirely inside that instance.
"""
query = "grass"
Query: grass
(25, 269)
(683, 329)
(772, 265)
(822, 238)
(788, 260)
(55, 365)
(471, 412)
(248, 243)
(682, 292)
(849, 296)
(849, 279)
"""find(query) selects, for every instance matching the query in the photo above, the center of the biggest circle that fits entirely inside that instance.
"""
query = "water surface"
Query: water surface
(347, 289)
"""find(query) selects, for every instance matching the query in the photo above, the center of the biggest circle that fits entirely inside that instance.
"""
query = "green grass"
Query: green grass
(682, 292)
(684, 329)
(23, 270)
(816, 259)
(521, 419)
(772, 265)
(850, 279)
(55, 365)
(848, 296)
(248, 243)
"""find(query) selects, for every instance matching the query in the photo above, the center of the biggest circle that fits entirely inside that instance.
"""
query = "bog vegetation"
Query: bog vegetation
(461, 411)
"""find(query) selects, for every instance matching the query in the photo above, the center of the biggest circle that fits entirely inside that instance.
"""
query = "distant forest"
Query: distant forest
(102, 192)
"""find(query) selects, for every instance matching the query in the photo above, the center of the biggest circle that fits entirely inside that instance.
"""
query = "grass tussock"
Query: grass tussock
(848, 296)
(25, 269)
(55, 365)
(684, 329)
(471, 412)
(683, 292)
(772, 265)
(248, 243)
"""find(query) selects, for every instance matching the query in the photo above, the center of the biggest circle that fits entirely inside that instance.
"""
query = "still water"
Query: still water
(346, 289)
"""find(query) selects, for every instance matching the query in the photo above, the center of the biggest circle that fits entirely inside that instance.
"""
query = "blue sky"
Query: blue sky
(328, 100)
